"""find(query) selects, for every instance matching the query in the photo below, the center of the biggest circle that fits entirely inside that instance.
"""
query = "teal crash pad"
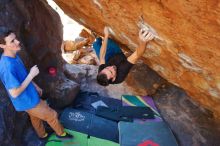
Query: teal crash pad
(148, 133)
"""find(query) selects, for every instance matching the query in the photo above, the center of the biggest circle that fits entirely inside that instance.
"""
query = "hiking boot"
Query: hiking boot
(65, 136)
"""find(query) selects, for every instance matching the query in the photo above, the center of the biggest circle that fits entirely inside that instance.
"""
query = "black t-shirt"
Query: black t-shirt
(122, 64)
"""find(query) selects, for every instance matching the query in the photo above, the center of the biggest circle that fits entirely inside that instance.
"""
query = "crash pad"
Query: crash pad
(88, 101)
(148, 133)
(79, 139)
(141, 101)
(93, 141)
(125, 113)
(82, 121)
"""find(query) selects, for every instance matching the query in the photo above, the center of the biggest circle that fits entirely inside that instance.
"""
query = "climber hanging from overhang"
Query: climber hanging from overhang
(114, 65)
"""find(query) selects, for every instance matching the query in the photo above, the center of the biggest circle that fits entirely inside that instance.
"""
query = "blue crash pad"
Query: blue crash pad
(90, 124)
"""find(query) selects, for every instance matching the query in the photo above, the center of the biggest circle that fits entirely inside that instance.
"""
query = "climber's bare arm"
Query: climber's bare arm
(104, 46)
(144, 37)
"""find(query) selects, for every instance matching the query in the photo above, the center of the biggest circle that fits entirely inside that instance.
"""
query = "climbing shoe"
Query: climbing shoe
(46, 135)
(65, 136)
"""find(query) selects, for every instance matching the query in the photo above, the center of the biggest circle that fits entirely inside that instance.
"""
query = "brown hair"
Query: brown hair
(102, 79)
(4, 32)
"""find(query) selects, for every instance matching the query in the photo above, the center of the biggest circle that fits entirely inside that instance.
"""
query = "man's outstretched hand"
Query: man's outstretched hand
(145, 36)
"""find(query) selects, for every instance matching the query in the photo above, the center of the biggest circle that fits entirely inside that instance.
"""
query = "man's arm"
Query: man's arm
(39, 90)
(144, 37)
(104, 46)
(15, 92)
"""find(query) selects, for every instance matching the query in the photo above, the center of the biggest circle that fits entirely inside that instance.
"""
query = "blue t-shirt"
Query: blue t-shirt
(12, 74)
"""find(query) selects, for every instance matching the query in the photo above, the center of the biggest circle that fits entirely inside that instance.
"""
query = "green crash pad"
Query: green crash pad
(93, 141)
(79, 139)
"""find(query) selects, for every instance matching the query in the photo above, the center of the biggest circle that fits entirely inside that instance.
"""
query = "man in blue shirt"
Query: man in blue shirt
(23, 92)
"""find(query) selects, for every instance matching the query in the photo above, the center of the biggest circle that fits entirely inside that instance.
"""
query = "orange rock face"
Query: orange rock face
(186, 50)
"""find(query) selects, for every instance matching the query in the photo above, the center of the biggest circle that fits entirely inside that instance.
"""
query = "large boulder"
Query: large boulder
(191, 124)
(186, 48)
(62, 92)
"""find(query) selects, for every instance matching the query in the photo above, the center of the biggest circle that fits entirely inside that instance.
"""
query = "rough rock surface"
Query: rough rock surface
(192, 124)
(62, 92)
(10, 131)
(186, 49)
